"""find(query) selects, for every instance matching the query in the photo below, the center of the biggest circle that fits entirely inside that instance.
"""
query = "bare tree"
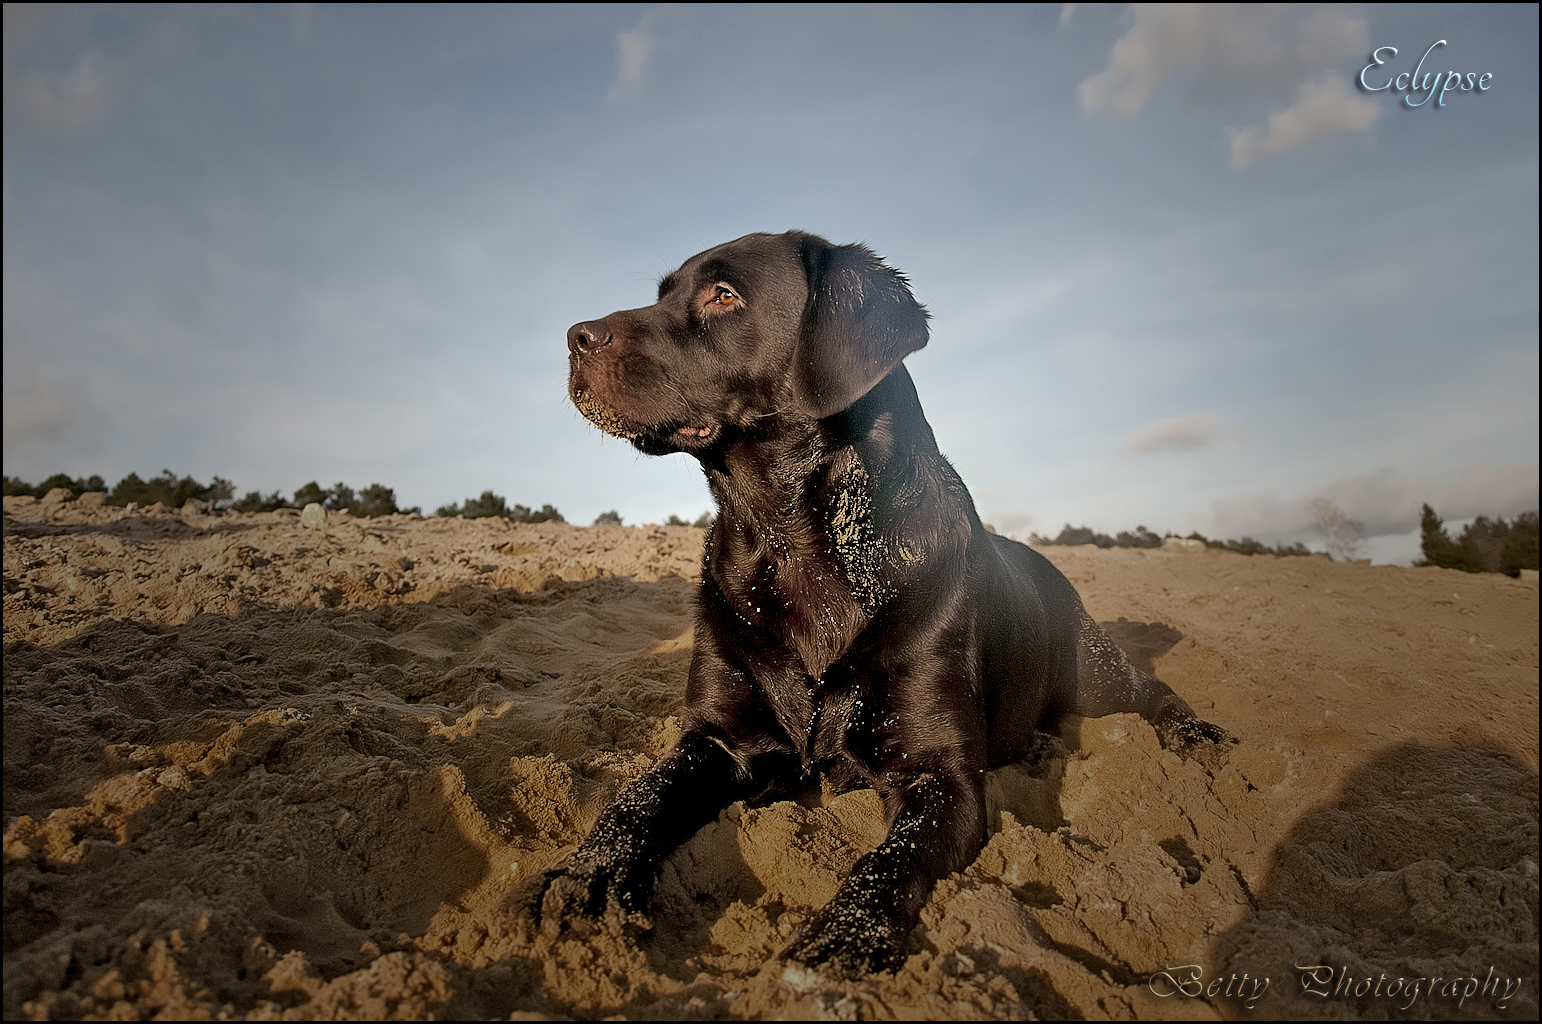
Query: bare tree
(1341, 532)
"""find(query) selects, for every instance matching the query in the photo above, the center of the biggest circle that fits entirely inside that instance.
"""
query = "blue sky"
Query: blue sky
(1183, 270)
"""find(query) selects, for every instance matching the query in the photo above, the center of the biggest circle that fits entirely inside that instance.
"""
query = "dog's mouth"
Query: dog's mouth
(688, 436)
(696, 436)
(603, 416)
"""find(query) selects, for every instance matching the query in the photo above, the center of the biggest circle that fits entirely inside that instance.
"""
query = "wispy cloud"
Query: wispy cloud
(1226, 51)
(60, 103)
(1323, 107)
(1387, 502)
(36, 412)
(1179, 433)
(636, 49)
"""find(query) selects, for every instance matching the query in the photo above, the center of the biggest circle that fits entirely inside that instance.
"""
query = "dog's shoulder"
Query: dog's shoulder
(897, 510)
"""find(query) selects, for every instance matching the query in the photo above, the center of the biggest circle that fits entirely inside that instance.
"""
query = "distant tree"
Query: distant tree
(1141, 538)
(375, 500)
(1079, 535)
(704, 520)
(340, 498)
(310, 494)
(1341, 532)
(167, 489)
(256, 501)
(1520, 550)
(1486, 545)
(75, 485)
(222, 492)
(490, 504)
(611, 518)
(675, 520)
(1144, 538)
(1483, 543)
(545, 514)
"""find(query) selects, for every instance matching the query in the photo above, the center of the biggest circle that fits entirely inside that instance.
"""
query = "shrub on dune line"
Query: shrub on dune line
(173, 491)
(490, 504)
(1144, 538)
(76, 486)
(374, 500)
(1486, 545)
(169, 490)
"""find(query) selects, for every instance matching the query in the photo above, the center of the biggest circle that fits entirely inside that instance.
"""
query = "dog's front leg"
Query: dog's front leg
(610, 877)
(937, 827)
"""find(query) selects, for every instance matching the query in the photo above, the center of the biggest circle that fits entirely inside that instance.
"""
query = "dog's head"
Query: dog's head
(763, 327)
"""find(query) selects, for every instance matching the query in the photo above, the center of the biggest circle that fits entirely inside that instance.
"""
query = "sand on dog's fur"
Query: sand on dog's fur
(258, 769)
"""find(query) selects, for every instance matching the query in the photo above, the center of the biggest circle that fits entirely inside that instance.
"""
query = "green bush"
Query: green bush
(77, 487)
(374, 500)
(174, 491)
(611, 518)
(169, 490)
(1074, 535)
(1144, 538)
(1141, 538)
(701, 522)
(1486, 545)
(255, 501)
(310, 494)
(490, 504)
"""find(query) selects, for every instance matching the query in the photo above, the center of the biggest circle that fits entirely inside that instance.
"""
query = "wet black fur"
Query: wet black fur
(856, 622)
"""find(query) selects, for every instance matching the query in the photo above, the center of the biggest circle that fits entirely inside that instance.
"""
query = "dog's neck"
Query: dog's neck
(806, 540)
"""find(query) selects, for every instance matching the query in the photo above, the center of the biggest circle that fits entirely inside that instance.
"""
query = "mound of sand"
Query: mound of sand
(255, 768)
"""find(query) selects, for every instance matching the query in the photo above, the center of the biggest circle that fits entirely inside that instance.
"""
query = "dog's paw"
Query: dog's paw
(582, 894)
(1197, 740)
(848, 940)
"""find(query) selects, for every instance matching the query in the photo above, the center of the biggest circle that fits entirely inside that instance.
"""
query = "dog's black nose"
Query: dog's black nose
(588, 336)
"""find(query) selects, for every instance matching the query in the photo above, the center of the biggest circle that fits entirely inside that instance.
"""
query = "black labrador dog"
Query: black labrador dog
(856, 622)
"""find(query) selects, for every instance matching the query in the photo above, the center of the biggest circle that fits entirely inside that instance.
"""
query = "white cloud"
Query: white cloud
(36, 412)
(1012, 523)
(1322, 108)
(635, 49)
(1387, 502)
(1232, 50)
(1180, 433)
(61, 103)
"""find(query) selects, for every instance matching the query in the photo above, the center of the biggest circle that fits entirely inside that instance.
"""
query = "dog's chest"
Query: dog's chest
(794, 604)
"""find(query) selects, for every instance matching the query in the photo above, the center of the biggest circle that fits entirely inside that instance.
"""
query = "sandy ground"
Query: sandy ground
(255, 768)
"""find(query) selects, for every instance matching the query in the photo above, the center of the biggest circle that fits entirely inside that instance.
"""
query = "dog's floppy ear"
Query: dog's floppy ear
(860, 321)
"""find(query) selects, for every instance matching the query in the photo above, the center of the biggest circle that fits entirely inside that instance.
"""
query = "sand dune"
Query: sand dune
(254, 768)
